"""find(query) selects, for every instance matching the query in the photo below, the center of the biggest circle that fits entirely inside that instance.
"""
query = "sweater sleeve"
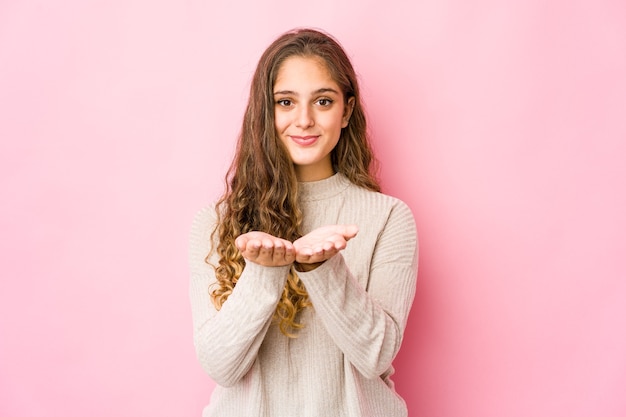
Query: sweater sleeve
(227, 341)
(368, 325)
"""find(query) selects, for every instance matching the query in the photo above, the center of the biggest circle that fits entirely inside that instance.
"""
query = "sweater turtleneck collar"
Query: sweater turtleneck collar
(322, 189)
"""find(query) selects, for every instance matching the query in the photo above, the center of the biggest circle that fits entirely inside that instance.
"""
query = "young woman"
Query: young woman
(303, 274)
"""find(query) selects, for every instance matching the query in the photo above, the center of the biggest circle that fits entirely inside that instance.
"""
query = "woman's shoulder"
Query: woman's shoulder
(377, 198)
(202, 227)
(204, 218)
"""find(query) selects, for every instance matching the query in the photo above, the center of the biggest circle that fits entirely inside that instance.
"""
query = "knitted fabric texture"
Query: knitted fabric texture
(341, 362)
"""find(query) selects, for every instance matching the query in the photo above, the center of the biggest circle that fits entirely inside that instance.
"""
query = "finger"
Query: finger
(289, 249)
(318, 250)
(304, 250)
(350, 231)
(240, 243)
(331, 252)
(302, 257)
(341, 244)
(252, 248)
(279, 251)
(321, 257)
(267, 248)
(290, 258)
(329, 245)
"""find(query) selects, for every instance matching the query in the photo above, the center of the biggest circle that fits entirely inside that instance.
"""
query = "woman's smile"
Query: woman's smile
(305, 140)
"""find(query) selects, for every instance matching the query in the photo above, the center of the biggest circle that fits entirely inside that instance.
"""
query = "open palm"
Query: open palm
(265, 249)
(323, 243)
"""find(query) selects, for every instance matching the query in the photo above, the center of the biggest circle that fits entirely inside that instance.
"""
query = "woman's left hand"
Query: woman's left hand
(321, 244)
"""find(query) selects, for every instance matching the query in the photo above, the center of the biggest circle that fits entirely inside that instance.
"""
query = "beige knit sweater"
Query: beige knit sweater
(341, 362)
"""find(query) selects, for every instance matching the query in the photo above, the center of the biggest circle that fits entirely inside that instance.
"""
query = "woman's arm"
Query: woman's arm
(227, 341)
(368, 326)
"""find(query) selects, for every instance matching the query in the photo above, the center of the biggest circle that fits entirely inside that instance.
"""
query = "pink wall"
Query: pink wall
(502, 124)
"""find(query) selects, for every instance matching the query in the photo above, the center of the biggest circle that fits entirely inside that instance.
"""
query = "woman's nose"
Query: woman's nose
(304, 117)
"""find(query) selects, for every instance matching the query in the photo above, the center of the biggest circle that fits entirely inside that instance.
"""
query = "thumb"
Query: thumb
(350, 231)
(241, 242)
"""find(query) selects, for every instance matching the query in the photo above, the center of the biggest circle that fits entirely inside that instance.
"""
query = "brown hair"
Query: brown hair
(261, 185)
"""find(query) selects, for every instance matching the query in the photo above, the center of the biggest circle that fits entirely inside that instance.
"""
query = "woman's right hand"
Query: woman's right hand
(265, 249)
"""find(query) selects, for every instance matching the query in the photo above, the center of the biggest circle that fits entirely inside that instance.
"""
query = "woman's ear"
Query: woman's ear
(347, 112)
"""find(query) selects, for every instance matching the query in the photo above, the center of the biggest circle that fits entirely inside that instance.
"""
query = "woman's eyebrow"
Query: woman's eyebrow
(286, 92)
(318, 91)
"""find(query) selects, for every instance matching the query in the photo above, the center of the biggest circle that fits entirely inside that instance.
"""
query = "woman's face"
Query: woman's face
(309, 112)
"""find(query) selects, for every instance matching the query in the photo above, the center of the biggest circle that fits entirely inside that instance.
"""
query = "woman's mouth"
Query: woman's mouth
(304, 140)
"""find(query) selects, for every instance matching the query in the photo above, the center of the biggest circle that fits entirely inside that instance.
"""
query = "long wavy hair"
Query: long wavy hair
(261, 190)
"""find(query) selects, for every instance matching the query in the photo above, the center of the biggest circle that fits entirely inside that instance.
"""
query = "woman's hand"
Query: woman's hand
(321, 244)
(265, 249)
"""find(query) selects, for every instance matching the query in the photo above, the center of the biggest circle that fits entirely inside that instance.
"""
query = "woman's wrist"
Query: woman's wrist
(302, 267)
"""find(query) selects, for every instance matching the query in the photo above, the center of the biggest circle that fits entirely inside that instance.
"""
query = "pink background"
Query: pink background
(502, 124)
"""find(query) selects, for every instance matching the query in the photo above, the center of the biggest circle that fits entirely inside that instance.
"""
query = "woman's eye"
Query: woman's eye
(284, 102)
(324, 102)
